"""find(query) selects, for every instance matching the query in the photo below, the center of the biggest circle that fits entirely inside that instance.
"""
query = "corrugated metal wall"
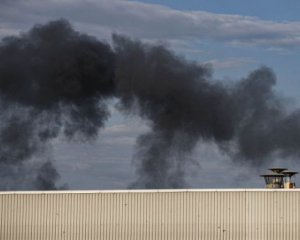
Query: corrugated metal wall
(145, 215)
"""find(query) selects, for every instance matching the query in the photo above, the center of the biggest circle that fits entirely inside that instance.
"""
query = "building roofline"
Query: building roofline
(152, 191)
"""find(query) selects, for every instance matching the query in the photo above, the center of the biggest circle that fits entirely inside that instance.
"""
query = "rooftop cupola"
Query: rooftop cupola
(279, 178)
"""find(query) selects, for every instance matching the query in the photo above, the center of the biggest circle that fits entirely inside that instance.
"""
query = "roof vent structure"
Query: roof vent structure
(279, 178)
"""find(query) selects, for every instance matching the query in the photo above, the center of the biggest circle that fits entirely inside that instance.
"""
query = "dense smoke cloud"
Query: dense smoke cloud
(184, 104)
(179, 100)
(55, 81)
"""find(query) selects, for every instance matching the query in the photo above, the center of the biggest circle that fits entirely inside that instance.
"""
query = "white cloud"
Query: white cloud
(8, 31)
(229, 62)
(149, 21)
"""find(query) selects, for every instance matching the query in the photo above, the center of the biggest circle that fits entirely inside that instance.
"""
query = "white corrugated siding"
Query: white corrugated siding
(144, 215)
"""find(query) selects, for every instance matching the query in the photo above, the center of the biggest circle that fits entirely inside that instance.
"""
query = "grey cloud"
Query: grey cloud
(151, 22)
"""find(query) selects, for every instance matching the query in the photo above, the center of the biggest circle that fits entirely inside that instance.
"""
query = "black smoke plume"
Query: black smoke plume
(55, 81)
(183, 104)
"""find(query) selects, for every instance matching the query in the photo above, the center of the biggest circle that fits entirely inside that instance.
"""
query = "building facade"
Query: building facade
(233, 214)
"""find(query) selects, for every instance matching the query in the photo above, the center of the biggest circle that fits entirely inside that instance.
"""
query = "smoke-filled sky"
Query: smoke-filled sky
(183, 94)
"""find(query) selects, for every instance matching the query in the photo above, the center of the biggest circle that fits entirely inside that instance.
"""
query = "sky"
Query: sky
(233, 36)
